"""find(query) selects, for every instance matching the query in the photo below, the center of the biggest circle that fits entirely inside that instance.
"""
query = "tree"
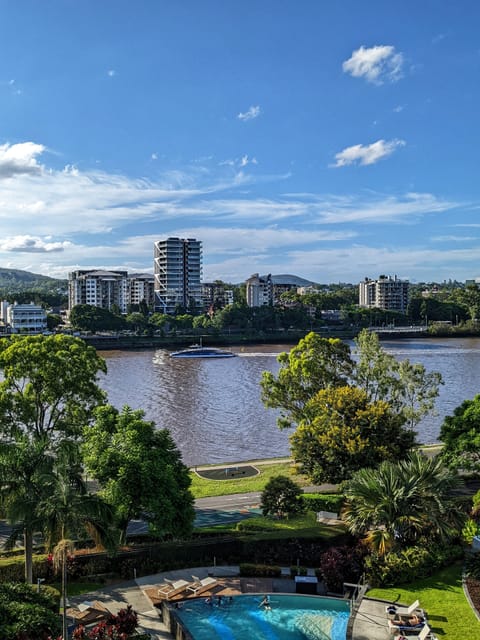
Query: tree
(408, 388)
(342, 432)
(24, 465)
(315, 363)
(87, 317)
(319, 363)
(49, 385)
(460, 434)
(47, 396)
(400, 502)
(140, 471)
(281, 497)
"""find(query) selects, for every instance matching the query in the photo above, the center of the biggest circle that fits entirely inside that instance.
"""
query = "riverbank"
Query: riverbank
(105, 342)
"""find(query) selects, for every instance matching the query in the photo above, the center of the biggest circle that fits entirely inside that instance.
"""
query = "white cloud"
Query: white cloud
(251, 114)
(31, 244)
(154, 156)
(366, 154)
(21, 158)
(111, 73)
(376, 64)
(399, 108)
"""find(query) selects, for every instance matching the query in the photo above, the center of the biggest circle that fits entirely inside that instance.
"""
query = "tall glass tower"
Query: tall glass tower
(178, 272)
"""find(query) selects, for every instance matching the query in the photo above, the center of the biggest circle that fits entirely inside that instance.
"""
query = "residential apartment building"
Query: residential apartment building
(216, 295)
(259, 290)
(385, 293)
(140, 288)
(99, 288)
(24, 318)
(266, 290)
(177, 271)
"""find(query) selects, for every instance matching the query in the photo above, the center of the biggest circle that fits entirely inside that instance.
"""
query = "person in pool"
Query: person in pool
(265, 603)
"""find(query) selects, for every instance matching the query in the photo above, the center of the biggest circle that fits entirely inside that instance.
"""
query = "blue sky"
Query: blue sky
(333, 140)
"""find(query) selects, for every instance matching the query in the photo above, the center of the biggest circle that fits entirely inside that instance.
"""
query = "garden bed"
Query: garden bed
(473, 588)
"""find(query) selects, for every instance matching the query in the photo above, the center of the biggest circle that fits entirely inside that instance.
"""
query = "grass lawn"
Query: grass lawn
(202, 488)
(442, 597)
(303, 526)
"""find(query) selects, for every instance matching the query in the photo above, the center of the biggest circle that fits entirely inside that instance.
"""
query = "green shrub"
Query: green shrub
(259, 570)
(472, 566)
(469, 531)
(254, 524)
(408, 565)
(323, 501)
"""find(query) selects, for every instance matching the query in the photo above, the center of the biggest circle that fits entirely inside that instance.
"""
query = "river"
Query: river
(213, 407)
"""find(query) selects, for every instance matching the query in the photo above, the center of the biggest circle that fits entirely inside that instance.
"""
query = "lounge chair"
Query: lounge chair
(199, 586)
(404, 612)
(399, 627)
(423, 635)
(172, 588)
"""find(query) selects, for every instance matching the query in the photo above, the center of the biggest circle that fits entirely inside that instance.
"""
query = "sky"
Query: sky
(330, 139)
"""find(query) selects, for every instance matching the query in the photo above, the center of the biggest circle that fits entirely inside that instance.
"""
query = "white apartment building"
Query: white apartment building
(98, 288)
(385, 293)
(177, 268)
(140, 287)
(266, 290)
(25, 318)
(259, 290)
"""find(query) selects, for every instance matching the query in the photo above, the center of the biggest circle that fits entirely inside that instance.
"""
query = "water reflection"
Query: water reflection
(213, 407)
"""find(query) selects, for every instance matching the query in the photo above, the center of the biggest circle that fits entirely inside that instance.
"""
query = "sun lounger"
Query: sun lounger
(172, 588)
(199, 586)
(403, 612)
(423, 635)
(405, 628)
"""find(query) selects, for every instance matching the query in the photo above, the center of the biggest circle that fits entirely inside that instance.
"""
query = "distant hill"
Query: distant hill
(16, 280)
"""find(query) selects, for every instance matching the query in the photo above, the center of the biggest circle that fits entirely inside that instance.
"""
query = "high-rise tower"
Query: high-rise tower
(178, 271)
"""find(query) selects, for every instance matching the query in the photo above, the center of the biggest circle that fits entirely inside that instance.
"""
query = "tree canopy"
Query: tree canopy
(315, 363)
(460, 434)
(140, 471)
(345, 432)
(318, 363)
(49, 385)
(281, 497)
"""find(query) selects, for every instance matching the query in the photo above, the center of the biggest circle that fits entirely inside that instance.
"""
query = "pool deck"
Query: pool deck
(370, 622)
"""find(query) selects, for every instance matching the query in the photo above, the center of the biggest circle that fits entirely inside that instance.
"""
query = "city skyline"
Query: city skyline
(333, 141)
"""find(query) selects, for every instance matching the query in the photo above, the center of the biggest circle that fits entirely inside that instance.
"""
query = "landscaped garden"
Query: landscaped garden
(441, 595)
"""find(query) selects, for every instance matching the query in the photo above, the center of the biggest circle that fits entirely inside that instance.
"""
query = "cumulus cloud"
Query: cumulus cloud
(376, 64)
(20, 158)
(251, 114)
(31, 244)
(366, 154)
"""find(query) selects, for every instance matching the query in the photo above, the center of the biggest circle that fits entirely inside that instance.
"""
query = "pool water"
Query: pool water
(291, 617)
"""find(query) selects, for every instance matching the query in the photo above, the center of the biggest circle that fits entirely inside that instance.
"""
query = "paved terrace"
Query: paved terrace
(369, 623)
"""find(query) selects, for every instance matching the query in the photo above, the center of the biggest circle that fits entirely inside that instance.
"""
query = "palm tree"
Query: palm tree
(399, 502)
(62, 550)
(24, 467)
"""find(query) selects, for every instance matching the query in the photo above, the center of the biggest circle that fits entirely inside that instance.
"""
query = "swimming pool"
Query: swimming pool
(291, 617)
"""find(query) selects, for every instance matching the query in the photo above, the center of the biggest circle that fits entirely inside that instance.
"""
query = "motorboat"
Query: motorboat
(199, 351)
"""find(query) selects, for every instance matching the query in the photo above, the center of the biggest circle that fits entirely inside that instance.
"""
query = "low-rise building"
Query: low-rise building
(26, 318)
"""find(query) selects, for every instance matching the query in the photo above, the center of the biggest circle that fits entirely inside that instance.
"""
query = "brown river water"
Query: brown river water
(213, 408)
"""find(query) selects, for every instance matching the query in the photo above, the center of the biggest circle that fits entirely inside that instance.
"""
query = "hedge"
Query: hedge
(402, 567)
(323, 501)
